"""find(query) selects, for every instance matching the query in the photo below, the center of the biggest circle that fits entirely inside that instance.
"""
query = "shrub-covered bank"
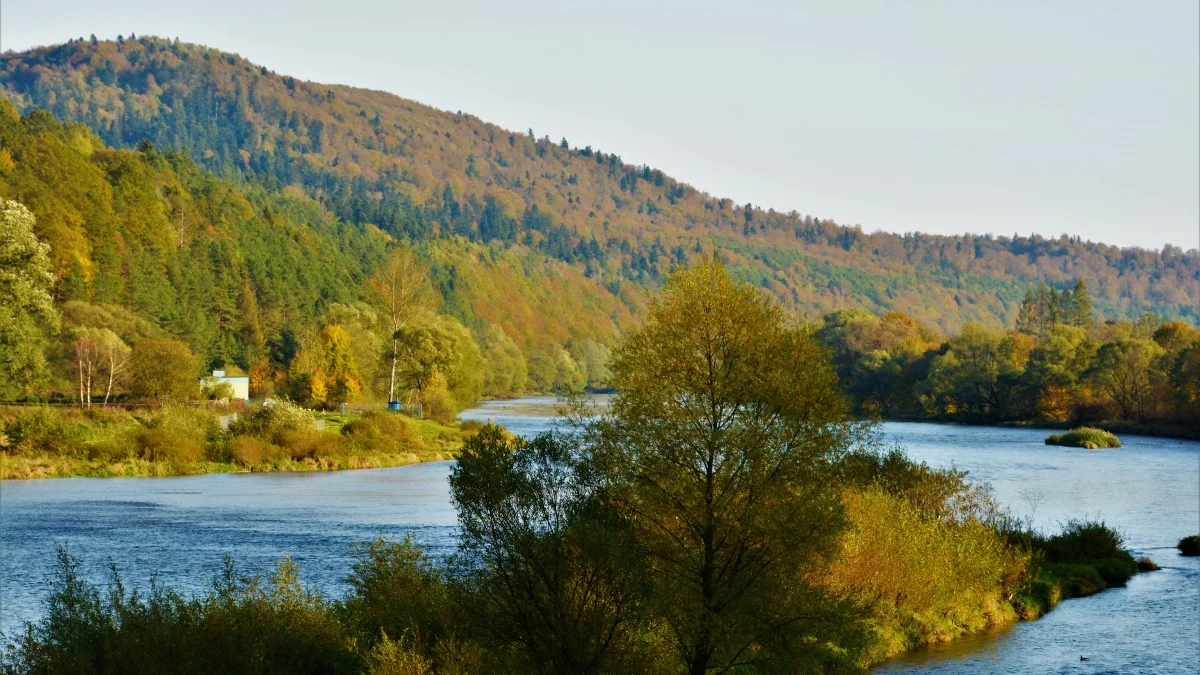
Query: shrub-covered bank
(902, 578)
(49, 442)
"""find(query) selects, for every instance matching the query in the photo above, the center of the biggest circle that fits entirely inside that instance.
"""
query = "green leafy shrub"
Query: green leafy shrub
(1189, 546)
(45, 429)
(1145, 564)
(380, 431)
(240, 625)
(178, 433)
(1085, 437)
(1085, 540)
(251, 451)
(397, 590)
(301, 444)
(270, 422)
(925, 579)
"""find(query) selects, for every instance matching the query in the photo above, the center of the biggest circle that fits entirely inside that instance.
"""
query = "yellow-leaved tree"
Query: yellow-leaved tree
(719, 446)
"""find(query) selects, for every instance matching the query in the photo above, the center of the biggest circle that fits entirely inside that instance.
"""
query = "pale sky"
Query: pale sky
(957, 116)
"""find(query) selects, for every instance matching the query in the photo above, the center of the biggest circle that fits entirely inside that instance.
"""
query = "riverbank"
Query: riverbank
(177, 441)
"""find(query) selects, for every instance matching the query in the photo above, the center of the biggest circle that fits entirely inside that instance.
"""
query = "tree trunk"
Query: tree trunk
(392, 382)
(111, 374)
(80, 383)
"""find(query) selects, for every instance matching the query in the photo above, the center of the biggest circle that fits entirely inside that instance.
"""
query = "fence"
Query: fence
(236, 405)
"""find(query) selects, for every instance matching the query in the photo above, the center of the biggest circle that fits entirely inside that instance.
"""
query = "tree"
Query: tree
(27, 311)
(1174, 336)
(1055, 366)
(1123, 371)
(400, 290)
(421, 353)
(163, 370)
(717, 446)
(343, 382)
(1082, 314)
(504, 364)
(116, 355)
(979, 371)
(545, 554)
(86, 346)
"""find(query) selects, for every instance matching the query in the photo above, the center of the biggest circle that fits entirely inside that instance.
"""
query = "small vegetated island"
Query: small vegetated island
(720, 515)
(1085, 437)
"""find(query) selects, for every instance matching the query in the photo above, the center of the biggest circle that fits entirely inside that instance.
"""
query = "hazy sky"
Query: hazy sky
(1002, 117)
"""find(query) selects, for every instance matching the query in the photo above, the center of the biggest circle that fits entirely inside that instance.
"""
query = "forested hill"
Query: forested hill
(423, 174)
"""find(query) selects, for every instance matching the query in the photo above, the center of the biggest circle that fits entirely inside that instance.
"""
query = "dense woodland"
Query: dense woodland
(146, 248)
(1056, 364)
(423, 175)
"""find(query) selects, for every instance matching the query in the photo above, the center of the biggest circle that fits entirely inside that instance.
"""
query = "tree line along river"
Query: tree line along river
(181, 528)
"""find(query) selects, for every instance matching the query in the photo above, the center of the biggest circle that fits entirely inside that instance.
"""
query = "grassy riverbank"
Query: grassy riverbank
(175, 440)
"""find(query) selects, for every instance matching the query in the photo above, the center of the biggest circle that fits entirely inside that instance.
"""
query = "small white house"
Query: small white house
(240, 383)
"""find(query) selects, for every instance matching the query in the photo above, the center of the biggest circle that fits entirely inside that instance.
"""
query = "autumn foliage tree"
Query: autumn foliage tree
(27, 312)
(727, 418)
(164, 370)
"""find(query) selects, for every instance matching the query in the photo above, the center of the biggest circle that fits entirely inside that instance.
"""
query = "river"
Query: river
(181, 528)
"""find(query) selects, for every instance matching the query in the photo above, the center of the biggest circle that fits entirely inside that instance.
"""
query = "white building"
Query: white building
(240, 383)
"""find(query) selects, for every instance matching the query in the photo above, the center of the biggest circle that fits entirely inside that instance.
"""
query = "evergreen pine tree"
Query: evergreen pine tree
(1050, 315)
(1025, 314)
(74, 285)
(1082, 314)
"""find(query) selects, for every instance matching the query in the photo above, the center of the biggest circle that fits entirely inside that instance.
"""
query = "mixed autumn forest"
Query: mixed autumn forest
(187, 194)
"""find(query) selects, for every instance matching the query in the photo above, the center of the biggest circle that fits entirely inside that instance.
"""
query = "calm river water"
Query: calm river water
(181, 529)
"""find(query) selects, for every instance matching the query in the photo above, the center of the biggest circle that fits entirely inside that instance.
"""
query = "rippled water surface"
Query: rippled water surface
(182, 528)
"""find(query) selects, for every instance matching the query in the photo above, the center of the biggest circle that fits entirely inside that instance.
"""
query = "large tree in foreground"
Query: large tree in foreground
(718, 445)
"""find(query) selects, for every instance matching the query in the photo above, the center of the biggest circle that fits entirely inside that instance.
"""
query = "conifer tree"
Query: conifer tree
(1082, 314)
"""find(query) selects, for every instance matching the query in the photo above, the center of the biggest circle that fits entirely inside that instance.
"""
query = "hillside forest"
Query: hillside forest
(424, 175)
(273, 235)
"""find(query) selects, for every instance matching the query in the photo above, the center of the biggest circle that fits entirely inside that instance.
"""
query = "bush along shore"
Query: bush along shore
(1190, 545)
(1085, 437)
(51, 442)
(729, 519)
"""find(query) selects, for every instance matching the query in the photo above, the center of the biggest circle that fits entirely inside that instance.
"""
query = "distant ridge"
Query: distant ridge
(421, 174)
